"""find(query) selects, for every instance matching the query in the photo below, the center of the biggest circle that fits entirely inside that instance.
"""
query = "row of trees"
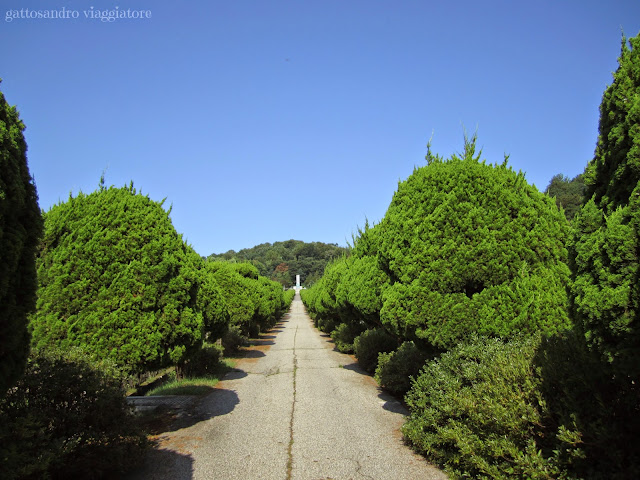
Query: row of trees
(519, 329)
(282, 261)
(116, 279)
(97, 289)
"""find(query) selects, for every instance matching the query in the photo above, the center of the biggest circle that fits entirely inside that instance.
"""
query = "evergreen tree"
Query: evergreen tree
(568, 193)
(606, 290)
(20, 230)
(117, 280)
(615, 170)
(471, 247)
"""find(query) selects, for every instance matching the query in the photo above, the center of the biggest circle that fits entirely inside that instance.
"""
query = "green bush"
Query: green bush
(396, 369)
(327, 325)
(233, 339)
(116, 279)
(205, 362)
(605, 293)
(606, 289)
(288, 298)
(320, 299)
(344, 335)
(67, 418)
(583, 397)
(253, 303)
(369, 344)
(478, 412)
(20, 231)
(360, 290)
(470, 247)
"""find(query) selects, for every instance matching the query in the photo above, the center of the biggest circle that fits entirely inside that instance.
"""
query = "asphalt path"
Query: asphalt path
(294, 408)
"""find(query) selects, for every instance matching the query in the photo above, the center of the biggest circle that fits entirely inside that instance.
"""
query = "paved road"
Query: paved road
(294, 409)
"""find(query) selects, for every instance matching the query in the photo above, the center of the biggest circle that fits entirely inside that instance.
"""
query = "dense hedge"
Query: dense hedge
(254, 303)
(118, 281)
(606, 290)
(20, 230)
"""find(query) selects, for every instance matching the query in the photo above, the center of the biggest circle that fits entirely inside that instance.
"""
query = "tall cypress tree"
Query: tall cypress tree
(615, 170)
(20, 230)
(606, 290)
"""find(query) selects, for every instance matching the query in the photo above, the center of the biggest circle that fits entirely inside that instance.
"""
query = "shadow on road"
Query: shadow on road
(235, 374)
(354, 367)
(392, 404)
(219, 402)
(252, 354)
(170, 465)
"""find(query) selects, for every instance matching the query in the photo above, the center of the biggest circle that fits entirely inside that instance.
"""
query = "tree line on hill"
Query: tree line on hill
(282, 261)
(512, 332)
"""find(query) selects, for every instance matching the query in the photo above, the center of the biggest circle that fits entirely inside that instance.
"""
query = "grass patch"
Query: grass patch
(194, 385)
(186, 386)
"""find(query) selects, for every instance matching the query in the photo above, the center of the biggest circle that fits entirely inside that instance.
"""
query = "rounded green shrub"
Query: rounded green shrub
(68, 418)
(478, 412)
(369, 344)
(396, 369)
(320, 299)
(20, 231)
(116, 279)
(254, 303)
(237, 292)
(344, 335)
(233, 339)
(471, 247)
(205, 362)
(211, 300)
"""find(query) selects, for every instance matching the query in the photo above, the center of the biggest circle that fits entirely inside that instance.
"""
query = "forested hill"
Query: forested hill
(282, 261)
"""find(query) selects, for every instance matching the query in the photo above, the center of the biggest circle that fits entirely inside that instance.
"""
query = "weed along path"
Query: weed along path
(294, 408)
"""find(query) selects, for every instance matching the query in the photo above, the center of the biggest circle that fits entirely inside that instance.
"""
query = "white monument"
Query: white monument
(297, 282)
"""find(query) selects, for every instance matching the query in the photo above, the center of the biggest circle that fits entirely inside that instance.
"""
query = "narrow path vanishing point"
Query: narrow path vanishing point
(294, 409)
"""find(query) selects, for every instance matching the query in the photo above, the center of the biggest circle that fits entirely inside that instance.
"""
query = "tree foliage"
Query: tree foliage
(68, 418)
(116, 279)
(20, 230)
(614, 172)
(472, 247)
(464, 248)
(568, 193)
(254, 302)
(477, 411)
(606, 290)
(282, 261)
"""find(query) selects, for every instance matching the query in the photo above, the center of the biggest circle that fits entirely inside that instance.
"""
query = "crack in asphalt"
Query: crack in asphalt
(293, 410)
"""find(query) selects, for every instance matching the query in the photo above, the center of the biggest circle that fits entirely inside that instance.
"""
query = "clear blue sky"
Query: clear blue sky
(267, 120)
